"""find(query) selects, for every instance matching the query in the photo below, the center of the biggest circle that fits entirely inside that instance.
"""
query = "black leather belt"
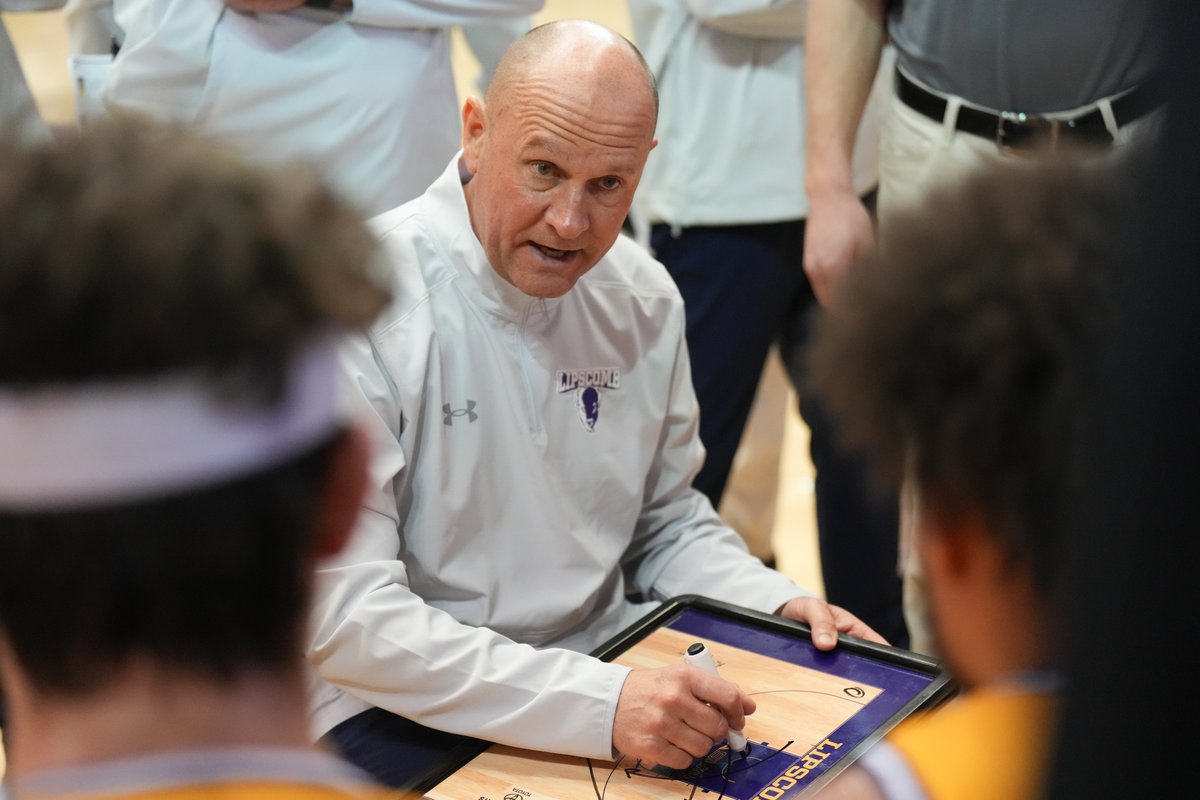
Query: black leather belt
(1017, 131)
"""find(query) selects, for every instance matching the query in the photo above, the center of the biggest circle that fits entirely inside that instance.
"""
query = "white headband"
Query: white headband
(105, 444)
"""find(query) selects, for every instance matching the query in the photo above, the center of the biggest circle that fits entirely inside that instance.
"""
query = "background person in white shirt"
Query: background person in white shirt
(365, 91)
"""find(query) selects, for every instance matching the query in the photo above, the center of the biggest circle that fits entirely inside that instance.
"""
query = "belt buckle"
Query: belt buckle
(1017, 133)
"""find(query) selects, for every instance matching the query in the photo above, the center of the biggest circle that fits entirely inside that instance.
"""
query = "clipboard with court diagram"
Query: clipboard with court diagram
(817, 712)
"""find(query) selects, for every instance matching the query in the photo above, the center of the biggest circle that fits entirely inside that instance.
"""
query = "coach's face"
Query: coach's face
(556, 157)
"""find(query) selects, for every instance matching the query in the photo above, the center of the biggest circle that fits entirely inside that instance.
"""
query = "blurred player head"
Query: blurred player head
(962, 359)
(171, 462)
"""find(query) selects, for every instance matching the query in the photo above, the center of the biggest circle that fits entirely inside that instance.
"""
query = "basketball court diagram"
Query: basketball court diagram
(816, 712)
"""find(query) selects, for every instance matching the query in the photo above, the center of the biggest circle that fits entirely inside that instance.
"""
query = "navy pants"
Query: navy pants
(744, 287)
(398, 752)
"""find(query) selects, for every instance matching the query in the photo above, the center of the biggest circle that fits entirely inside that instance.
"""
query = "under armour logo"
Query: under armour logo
(450, 413)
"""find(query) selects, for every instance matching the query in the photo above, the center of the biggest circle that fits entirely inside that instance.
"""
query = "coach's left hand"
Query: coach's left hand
(827, 621)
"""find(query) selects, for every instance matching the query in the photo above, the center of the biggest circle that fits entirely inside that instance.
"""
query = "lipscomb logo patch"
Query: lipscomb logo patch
(587, 384)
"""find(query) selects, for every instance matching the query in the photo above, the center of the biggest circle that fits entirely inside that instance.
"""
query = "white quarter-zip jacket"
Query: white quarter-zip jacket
(532, 467)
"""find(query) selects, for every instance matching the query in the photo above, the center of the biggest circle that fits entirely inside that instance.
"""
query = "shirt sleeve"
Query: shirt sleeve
(765, 19)
(374, 638)
(30, 5)
(680, 545)
(437, 13)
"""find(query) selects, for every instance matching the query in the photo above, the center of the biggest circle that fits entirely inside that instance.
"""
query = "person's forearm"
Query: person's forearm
(373, 638)
(844, 41)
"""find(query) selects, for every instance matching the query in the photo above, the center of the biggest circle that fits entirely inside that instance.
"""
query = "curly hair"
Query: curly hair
(962, 354)
(137, 249)
(134, 251)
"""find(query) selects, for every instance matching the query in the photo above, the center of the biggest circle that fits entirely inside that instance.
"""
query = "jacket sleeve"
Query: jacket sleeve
(374, 638)
(766, 19)
(437, 13)
(30, 5)
(680, 545)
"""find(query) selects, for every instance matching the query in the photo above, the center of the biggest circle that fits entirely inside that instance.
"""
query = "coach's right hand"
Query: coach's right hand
(672, 714)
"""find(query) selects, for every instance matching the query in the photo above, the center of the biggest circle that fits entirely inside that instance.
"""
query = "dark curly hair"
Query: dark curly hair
(133, 251)
(961, 355)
